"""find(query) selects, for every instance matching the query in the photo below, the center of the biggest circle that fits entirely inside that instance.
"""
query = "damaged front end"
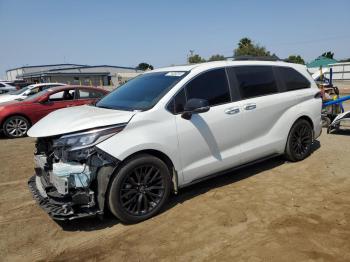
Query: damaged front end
(72, 174)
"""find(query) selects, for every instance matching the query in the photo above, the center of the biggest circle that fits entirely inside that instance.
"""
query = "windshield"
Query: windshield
(142, 92)
(19, 92)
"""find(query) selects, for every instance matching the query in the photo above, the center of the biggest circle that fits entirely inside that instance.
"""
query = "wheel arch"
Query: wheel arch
(162, 156)
(103, 200)
(303, 117)
(307, 118)
(287, 152)
(16, 114)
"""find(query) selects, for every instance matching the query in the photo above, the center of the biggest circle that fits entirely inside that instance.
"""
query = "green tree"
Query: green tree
(144, 66)
(216, 58)
(328, 54)
(246, 47)
(296, 59)
(244, 42)
(194, 59)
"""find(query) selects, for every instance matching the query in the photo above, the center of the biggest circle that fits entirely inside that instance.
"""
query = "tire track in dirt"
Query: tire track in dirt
(274, 211)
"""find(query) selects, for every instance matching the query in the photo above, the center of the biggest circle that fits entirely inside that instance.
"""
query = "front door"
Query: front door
(209, 142)
(56, 100)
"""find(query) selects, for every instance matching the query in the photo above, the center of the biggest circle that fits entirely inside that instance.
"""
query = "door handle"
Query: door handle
(249, 106)
(232, 110)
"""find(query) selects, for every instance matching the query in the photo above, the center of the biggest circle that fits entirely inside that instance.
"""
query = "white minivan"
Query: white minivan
(170, 128)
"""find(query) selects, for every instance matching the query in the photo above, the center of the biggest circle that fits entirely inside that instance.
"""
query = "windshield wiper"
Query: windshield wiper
(103, 107)
(117, 108)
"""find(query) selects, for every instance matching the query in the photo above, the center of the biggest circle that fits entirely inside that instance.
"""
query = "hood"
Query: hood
(6, 98)
(78, 118)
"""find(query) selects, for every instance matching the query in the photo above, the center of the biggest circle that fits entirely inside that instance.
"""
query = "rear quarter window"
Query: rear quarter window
(90, 94)
(255, 81)
(292, 79)
(97, 94)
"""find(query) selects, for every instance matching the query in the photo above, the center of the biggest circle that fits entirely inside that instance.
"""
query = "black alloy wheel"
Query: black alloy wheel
(139, 189)
(299, 141)
(142, 190)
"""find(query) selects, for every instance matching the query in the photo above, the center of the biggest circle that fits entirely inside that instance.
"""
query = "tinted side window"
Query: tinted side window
(180, 101)
(170, 106)
(177, 104)
(255, 81)
(211, 86)
(293, 80)
(96, 94)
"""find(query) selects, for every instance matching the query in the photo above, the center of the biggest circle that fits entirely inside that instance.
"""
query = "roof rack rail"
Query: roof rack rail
(256, 58)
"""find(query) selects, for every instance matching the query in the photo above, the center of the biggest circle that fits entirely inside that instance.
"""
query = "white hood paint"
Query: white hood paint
(77, 118)
(7, 98)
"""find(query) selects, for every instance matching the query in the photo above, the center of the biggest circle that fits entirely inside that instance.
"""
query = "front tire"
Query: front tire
(140, 189)
(16, 126)
(299, 141)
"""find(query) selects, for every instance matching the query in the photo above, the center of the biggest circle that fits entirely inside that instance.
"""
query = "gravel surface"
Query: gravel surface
(272, 211)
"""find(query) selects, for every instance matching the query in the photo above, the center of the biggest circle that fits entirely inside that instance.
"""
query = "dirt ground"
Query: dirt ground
(273, 211)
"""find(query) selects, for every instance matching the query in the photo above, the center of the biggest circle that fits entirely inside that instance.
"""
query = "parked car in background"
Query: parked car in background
(16, 117)
(26, 91)
(6, 87)
(167, 129)
(19, 83)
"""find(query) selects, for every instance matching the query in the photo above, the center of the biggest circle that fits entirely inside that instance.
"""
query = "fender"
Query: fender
(140, 135)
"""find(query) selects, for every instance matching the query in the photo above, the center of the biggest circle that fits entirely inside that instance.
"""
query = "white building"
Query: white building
(341, 71)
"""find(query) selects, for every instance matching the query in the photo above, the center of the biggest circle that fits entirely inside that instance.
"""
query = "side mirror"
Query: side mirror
(95, 101)
(44, 100)
(195, 106)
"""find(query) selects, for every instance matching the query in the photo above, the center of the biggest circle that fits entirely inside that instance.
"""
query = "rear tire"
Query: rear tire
(299, 141)
(16, 126)
(140, 189)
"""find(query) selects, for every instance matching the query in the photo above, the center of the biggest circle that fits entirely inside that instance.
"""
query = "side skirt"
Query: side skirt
(229, 170)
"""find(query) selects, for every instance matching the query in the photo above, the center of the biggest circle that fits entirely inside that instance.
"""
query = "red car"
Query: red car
(16, 117)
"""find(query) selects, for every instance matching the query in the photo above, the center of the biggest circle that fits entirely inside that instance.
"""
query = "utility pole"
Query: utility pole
(189, 55)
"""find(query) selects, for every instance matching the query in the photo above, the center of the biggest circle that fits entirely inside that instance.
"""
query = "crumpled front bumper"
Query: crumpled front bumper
(79, 201)
(59, 208)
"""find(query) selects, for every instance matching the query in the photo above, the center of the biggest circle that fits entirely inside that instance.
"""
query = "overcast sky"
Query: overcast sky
(125, 33)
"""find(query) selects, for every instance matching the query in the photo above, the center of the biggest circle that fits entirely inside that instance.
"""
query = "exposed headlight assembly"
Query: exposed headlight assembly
(81, 140)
